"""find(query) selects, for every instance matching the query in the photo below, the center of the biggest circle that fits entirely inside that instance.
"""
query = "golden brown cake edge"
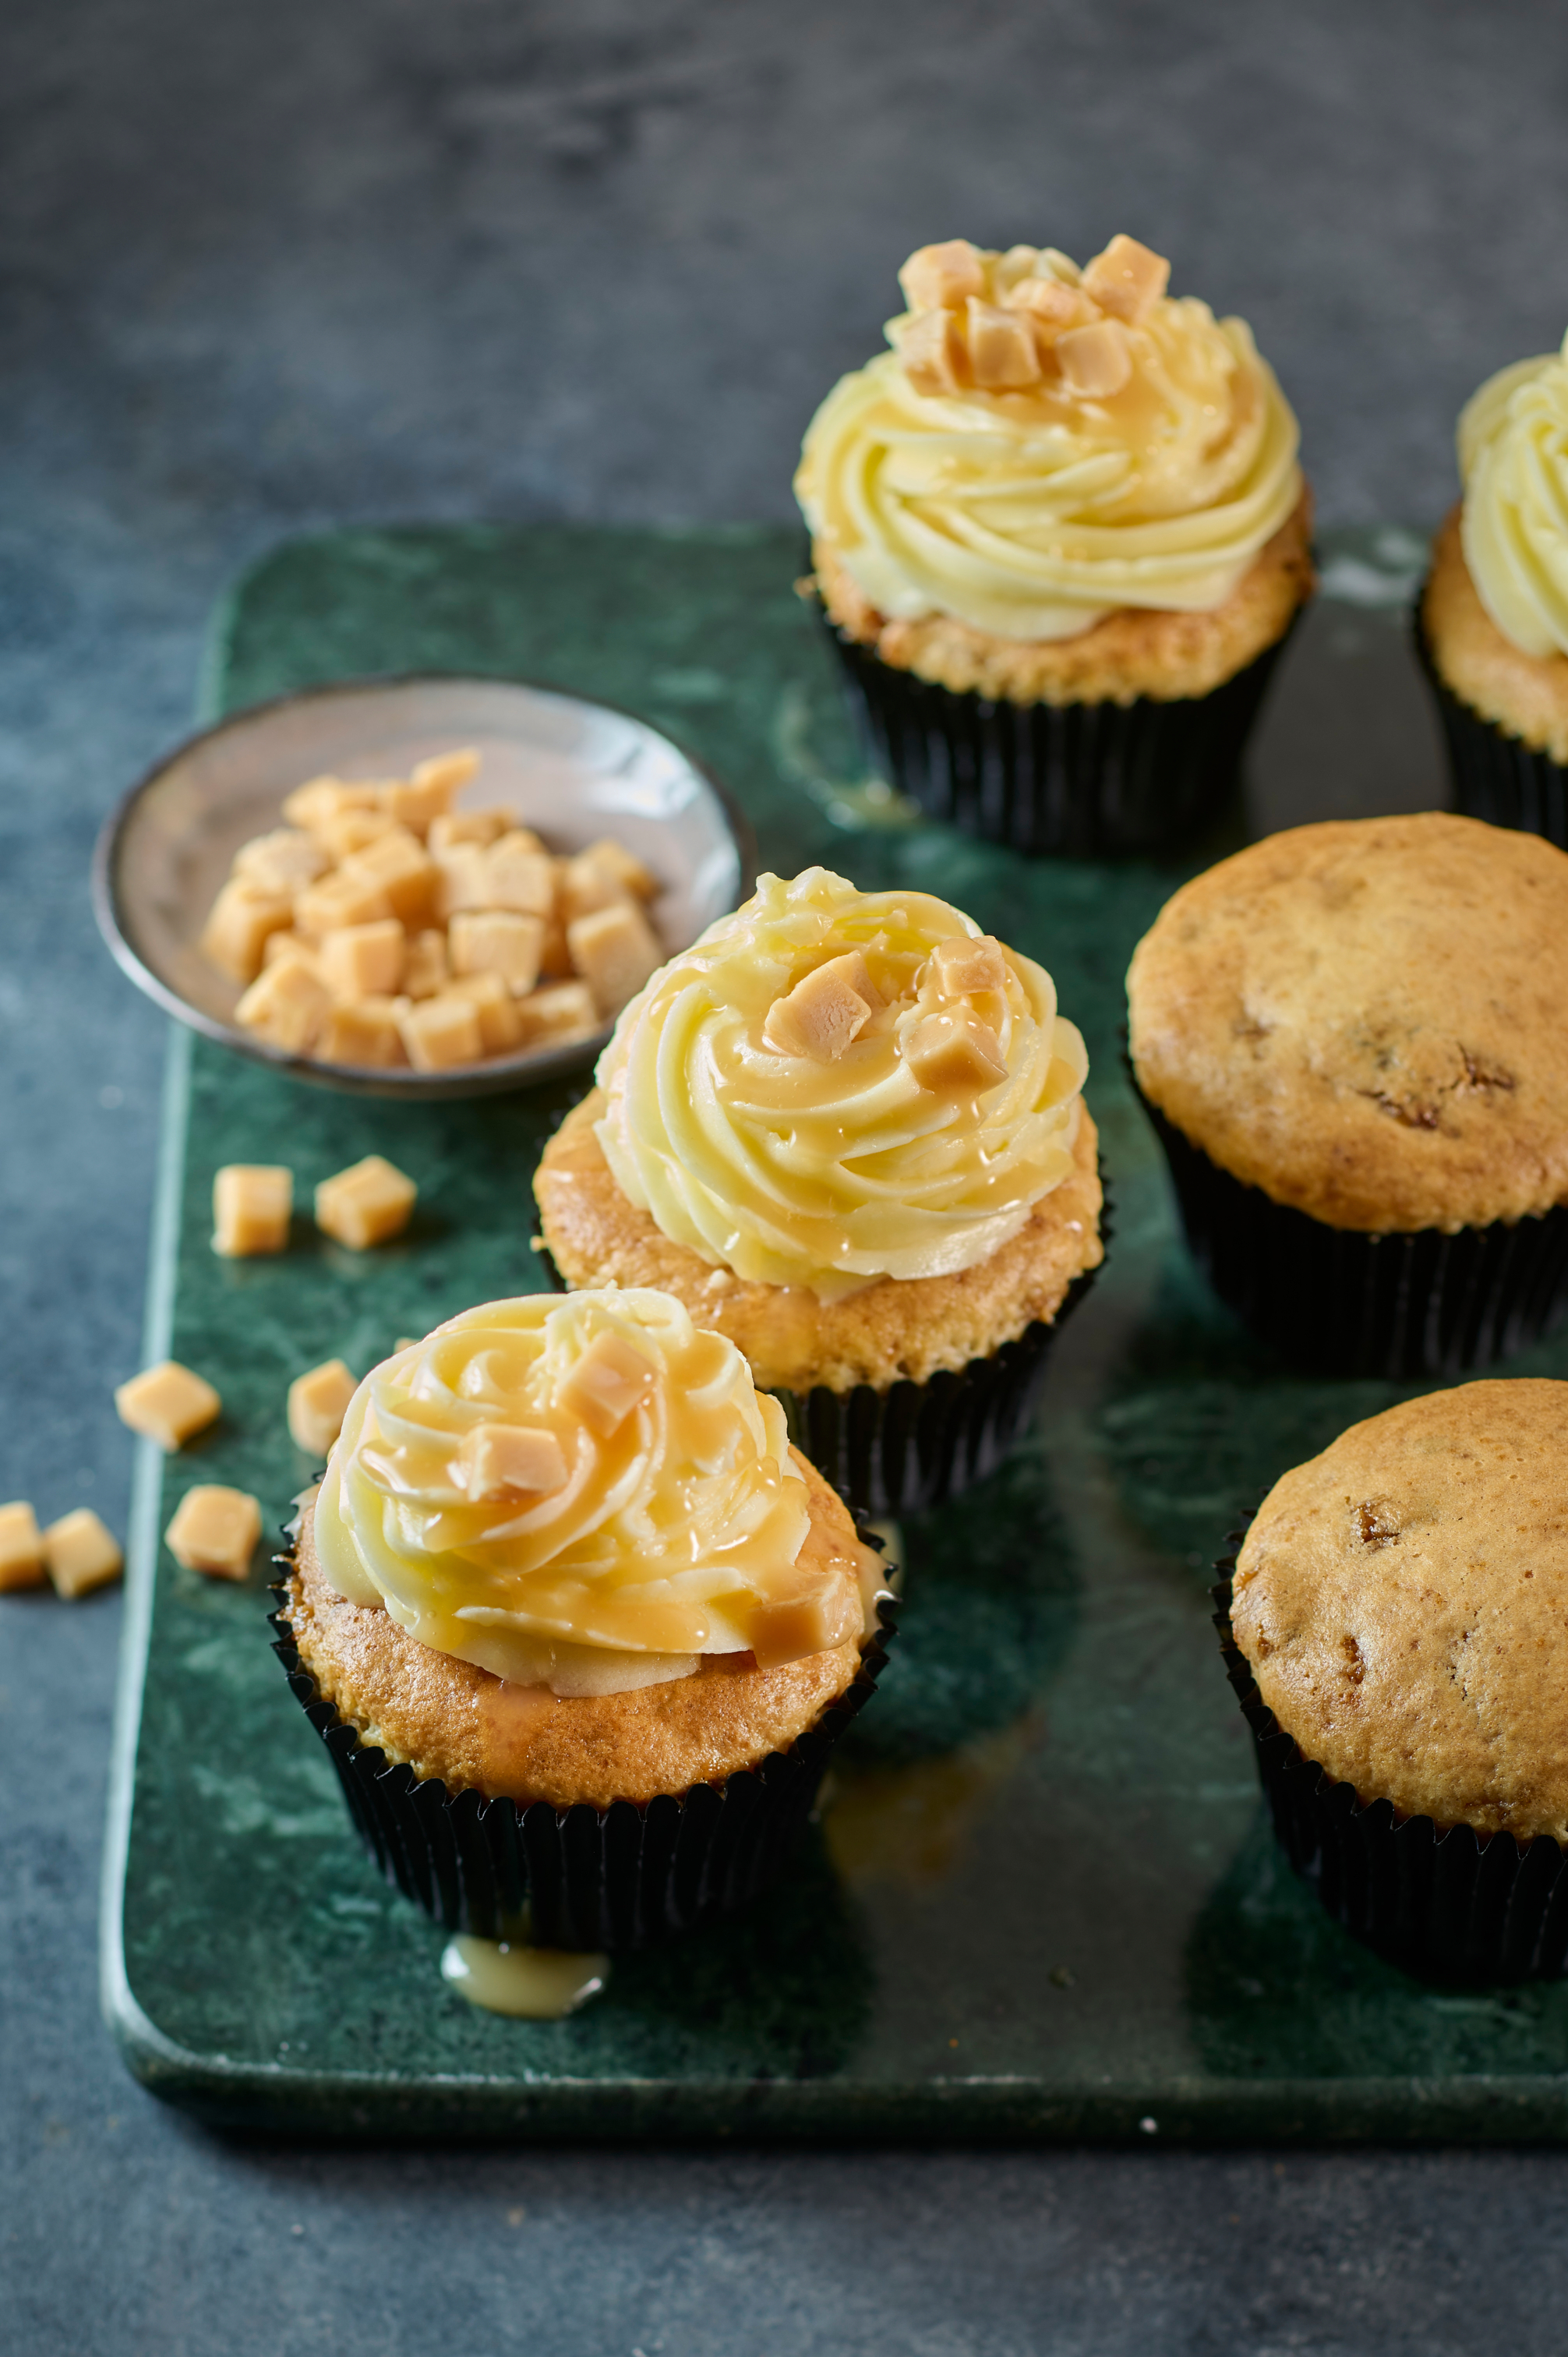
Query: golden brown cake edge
(1527, 695)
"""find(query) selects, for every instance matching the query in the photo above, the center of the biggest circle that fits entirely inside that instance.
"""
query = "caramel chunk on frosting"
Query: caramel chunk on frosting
(825, 1012)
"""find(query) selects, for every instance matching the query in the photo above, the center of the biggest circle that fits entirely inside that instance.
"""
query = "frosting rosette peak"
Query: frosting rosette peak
(833, 1086)
(586, 1493)
(1513, 460)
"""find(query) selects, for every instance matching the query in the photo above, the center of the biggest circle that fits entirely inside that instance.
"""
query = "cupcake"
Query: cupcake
(577, 1623)
(1349, 1039)
(1494, 614)
(1060, 535)
(1397, 1630)
(846, 1129)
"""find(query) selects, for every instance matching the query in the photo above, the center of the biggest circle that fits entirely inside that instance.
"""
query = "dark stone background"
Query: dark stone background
(266, 268)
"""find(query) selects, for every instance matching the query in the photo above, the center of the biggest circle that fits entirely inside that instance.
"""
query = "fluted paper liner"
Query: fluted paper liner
(1497, 777)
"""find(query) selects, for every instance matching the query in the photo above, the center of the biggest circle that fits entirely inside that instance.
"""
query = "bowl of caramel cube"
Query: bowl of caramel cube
(432, 887)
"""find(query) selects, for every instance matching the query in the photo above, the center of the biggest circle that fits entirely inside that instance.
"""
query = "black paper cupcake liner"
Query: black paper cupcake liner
(1334, 1301)
(1496, 776)
(1446, 1903)
(1078, 780)
(617, 1879)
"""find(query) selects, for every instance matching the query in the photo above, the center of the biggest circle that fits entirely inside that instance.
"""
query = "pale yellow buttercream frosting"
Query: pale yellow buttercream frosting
(675, 1529)
(1513, 460)
(830, 1174)
(1032, 512)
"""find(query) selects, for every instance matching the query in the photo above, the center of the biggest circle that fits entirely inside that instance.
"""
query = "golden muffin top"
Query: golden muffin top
(1366, 1019)
(1403, 1602)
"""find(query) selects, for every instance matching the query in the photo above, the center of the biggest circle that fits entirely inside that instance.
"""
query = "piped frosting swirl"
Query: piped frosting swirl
(1513, 459)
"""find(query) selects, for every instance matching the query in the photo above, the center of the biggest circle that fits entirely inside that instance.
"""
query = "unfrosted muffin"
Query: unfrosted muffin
(1350, 1039)
(845, 1128)
(564, 1558)
(1494, 613)
(1060, 534)
(1400, 1607)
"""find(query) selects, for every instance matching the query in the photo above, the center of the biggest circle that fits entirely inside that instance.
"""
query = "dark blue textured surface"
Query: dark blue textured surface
(267, 269)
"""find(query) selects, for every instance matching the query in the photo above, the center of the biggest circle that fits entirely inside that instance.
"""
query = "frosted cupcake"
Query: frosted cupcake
(1494, 614)
(578, 1624)
(1061, 534)
(846, 1129)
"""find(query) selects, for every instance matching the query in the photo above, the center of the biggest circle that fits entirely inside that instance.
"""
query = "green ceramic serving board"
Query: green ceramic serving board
(1043, 1901)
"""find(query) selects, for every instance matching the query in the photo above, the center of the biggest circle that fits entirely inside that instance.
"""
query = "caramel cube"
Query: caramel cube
(939, 278)
(362, 1031)
(1095, 362)
(520, 877)
(352, 831)
(504, 1460)
(80, 1553)
(287, 1006)
(963, 966)
(367, 1204)
(427, 794)
(555, 957)
(615, 951)
(496, 940)
(439, 1033)
(285, 945)
(21, 1548)
(425, 970)
(586, 882)
(608, 1382)
(1127, 279)
(1051, 308)
(341, 898)
(827, 1010)
(282, 862)
(625, 865)
(363, 961)
(462, 880)
(1001, 354)
(215, 1530)
(561, 1011)
(167, 1402)
(932, 352)
(954, 1054)
(404, 870)
(325, 798)
(251, 1204)
(483, 827)
(318, 1403)
(238, 924)
(500, 1026)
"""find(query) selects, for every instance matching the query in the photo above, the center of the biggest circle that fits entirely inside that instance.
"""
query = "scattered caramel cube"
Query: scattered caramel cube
(367, 1204)
(609, 1380)
(793, 1627)
(519, 876)
(399, 862)
(341, 898)
(500, 1026)
(462, 880)
(282, 862)
(483, 827)
(1001, 354)
(827, 1009)
(964, 966)
(562, 1011)
(363, 1031)
(325, 798)
(954, 1054)
(21, 1548)
(215, 1530)
(318, 1403)
(943, 276)
(237, 927)
(80, 1553)
(425, 970)
(287, 1006)
(498, 941)
(931, 349)
(437, 1033)
(1127, 279)
(167, 1402)
(504, 1460)
(363, 961)
(625, 865)
(1095, 362)
(252, 1205)
(615, 951)
(353, 830)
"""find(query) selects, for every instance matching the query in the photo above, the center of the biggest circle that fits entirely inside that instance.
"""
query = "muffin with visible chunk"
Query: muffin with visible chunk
(1397, 1628)
(577, 1622)
(1350, 1038)
(846, 1129)
(1059, 534)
